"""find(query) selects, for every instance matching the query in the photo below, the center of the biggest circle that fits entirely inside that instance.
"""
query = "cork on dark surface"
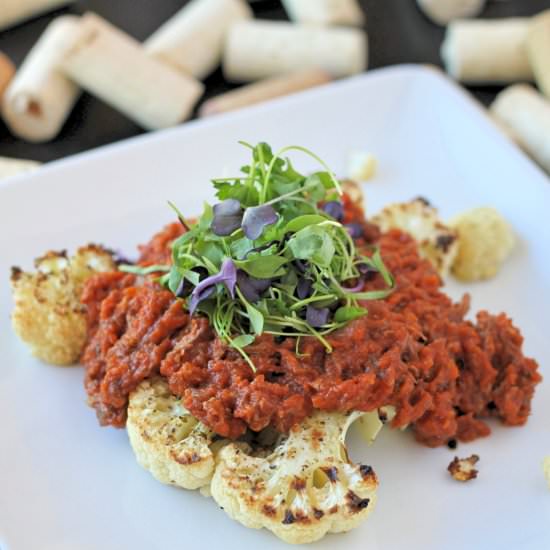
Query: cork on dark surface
(398, 33)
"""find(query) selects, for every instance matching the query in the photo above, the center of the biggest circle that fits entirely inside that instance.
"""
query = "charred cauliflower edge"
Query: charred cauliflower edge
(473, 245)
(305, 488)
(299, 486)
(167, 440)
(437, 242)
(48, 315)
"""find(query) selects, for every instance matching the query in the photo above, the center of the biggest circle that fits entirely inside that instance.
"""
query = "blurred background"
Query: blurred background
(398, 32)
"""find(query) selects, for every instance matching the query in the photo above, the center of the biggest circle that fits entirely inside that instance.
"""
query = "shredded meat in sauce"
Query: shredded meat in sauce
(414, 350)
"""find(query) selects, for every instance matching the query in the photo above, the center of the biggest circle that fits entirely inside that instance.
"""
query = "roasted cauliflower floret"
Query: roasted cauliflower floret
(354, 191)
(371, 423)
(48, 314)
(167, 440)
(463, 469)
(437, 242)
(362, 165)
(306, 487)
(485, 241)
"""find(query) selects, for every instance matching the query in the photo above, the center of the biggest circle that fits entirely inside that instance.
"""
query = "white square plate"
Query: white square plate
(66, 484)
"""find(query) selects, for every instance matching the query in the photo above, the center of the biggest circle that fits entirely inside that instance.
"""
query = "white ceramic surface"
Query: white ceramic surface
(67, 484)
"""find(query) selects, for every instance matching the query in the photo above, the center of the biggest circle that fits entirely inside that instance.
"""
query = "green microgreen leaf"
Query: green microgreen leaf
(313, 243)
(178, 214)
(210, 250)
(303, 221)
(147, 270)
(316, 189)
(349, 313)
(263, 267)
(240, 247)
(373, 294)
(256, 318)
(243, 340)
(174, 279)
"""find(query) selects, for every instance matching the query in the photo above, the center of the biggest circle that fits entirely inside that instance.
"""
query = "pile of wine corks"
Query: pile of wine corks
(514, 51)
(158, 83)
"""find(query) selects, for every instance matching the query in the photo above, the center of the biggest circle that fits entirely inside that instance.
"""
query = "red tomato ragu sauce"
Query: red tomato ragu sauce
(414, 350)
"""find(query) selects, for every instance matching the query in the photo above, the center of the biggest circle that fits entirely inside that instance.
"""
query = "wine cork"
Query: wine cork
(260, 49)
(526, 113)
(16, 11)
(538, 50)
(264, 90)
(11, 167)
(193, 39)
(113, 66)
(443, 12)
(325, 12)
(486, 51)
(39, 98)
(7, 70)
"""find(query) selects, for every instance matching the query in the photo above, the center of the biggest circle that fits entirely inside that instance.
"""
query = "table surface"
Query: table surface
(398, 33)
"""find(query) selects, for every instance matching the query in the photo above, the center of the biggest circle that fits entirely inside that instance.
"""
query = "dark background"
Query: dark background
(398, 33)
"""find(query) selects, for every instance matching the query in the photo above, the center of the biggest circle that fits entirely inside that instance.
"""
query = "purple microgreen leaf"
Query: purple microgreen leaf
(367, 271)
(256, 219)
(358, 287)
(119, 257)
(303, 288)
(301, 265)
(185, 286)
(183, 289)
(355, 230)
(227, 275)
(228, 216)
(251, 287)
(317, 317)
(365, 268)
(197, 298)
(335, 209)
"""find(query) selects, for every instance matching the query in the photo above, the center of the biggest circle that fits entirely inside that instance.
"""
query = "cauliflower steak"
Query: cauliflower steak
(167, 440)
(306, 487)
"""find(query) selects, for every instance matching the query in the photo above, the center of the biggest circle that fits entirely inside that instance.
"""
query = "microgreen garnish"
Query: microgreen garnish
(226, 275)
(355, 230)
(256, 219)
(334, 209)
(228, 216)
(273, 256)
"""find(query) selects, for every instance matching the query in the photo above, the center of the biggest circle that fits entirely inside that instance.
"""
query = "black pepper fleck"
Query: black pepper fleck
(289, 518)
(366, 470)
(423, 200)
(332, 474)
(444, 242)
